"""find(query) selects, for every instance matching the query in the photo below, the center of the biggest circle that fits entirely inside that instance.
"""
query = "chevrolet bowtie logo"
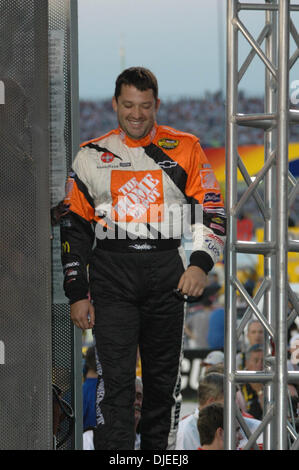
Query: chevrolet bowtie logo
(167, 164)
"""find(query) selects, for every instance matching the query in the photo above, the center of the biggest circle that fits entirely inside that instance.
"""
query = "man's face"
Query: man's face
(255, 361)
(255, 333)
(239, 437)
(136, 111)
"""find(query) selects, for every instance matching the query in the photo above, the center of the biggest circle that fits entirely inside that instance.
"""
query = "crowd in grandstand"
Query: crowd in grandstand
(204, 117)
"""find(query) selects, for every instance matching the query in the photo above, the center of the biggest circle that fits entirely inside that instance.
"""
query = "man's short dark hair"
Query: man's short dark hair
(210, 418)
(252, 349)
(210, 386)
(139, 77)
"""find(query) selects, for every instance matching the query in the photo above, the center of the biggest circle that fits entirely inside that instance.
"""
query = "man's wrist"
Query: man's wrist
(73, 300)
(202, 260)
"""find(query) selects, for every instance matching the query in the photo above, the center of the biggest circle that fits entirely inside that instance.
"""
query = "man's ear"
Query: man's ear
(114, 104)
(158, 102)
(210, 400)
(220, 433)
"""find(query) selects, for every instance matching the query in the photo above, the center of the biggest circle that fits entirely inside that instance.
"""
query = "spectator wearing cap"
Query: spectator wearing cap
(253, 392)
(213, 358)
(210, 390)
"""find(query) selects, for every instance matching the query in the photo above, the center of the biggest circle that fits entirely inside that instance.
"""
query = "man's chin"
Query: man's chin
(136, 136)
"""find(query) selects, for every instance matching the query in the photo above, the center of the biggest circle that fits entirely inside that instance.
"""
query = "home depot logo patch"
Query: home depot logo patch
(137, 196)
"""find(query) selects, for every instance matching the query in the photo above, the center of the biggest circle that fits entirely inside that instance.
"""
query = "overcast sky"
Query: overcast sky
(182, 42)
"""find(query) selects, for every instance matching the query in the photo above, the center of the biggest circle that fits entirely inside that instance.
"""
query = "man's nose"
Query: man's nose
(136, 112)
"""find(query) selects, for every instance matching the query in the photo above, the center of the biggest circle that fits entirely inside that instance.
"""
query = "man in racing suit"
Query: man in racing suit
(123, 261)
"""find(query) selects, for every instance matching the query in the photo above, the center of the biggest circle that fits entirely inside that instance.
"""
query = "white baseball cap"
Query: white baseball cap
(214, 357)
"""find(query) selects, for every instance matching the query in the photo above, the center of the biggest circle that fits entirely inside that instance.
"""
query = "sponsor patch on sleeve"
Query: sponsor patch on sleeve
(212, 197)
(208, 179)
(212, 247)
(216, 222)
(168, 144)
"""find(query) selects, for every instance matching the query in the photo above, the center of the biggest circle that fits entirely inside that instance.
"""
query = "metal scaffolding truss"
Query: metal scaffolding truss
(274, 190)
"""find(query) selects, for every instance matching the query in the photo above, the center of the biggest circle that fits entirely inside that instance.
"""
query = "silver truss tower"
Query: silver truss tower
(279, 189)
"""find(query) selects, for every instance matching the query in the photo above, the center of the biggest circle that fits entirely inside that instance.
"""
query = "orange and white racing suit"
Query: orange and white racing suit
(131, 203)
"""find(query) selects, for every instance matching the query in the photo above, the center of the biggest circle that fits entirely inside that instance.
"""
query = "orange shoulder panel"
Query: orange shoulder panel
(176, 144)
(185, 149)
(114, 131)
(202, 183)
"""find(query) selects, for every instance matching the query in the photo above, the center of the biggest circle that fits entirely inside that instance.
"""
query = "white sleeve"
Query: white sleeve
(187, 435)
(180, 437)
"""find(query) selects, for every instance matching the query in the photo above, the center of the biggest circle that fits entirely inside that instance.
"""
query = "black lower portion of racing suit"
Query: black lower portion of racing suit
(135, 306)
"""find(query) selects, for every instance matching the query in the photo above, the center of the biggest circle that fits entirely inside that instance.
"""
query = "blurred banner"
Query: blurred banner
(252, 157)
(293, 257)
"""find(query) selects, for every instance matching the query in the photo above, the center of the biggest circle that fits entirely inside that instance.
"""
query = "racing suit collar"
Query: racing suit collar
(140, 142)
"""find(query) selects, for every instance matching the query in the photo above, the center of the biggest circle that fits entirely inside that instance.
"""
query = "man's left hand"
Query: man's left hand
(193, 281)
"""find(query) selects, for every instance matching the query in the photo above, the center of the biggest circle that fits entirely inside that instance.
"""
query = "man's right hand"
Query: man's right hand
(83, 314)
